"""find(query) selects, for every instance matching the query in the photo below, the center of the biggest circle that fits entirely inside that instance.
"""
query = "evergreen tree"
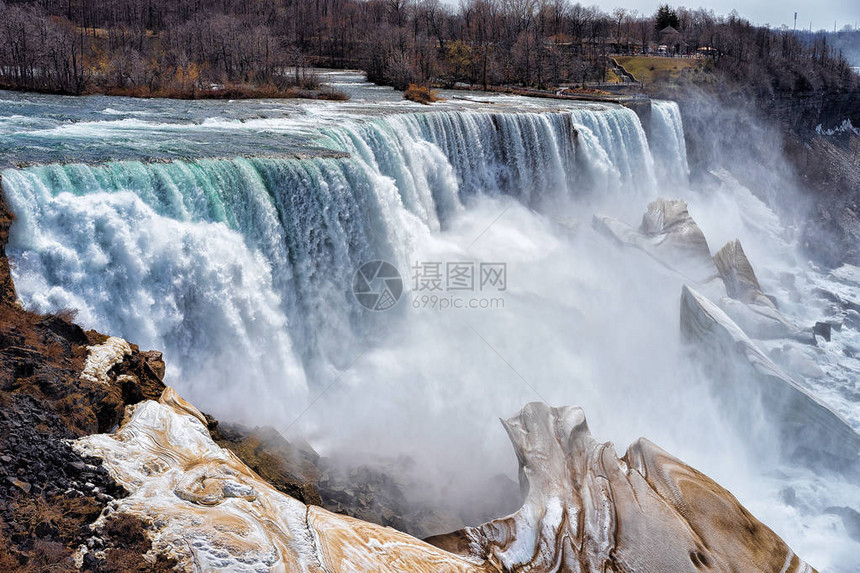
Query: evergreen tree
(666, 17)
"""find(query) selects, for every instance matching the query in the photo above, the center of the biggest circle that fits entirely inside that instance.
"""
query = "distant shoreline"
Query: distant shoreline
(236, 92)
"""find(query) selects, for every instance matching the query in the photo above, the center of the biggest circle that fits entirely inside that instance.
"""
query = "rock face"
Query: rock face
(808, 430)
(49, 494)
(738, 275)
(669, 235)
(746, 304)
(588, 510)
(209, 511)
(284, 466)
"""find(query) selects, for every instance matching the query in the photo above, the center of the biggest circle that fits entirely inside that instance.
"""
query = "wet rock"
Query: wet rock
(822, 329)
(204, 485)
(588, 510)
(738, 275)
(289, 469)
(808, 431)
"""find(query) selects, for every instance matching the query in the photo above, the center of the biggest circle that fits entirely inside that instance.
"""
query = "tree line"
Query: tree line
(189, 47)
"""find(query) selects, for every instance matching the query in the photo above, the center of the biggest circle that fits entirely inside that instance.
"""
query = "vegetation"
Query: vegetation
(231, 48)
(666, 17)
(421, 94)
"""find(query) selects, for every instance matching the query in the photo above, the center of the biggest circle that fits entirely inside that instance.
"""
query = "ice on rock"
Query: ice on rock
(808, 431)
(738, 275)
(102, 357)
(746, 304)
(211, 512)
(670, 236)
(587, 510)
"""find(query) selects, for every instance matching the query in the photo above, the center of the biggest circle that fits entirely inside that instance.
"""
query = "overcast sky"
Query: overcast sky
(821, 13)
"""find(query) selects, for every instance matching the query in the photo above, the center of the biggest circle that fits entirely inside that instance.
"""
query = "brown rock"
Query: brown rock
(589, 511)
(20, 484)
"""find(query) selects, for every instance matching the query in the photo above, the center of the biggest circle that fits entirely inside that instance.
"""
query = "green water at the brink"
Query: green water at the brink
(39, 129)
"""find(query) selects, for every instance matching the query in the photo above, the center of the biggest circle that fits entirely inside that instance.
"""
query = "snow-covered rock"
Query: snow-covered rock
(588, 510)
(807, 429)
(102, 357)
(212, 513)
(670, 236)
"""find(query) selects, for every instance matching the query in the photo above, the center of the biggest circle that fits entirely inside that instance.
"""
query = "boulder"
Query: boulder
(589, 511)
(670, 236)
(738, 275)
(808, 431)
(209, 511)
(822, 329)
(669, 221)
(755, 312)
(586, 510)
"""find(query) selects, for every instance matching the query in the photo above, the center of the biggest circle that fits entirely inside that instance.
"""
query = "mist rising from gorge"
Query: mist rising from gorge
(241, 271)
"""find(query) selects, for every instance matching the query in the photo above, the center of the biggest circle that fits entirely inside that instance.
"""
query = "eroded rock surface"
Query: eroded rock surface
(807, 429)
(588, 510)
(209, 511)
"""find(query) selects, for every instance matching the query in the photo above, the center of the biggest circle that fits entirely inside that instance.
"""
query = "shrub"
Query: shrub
(421, 94)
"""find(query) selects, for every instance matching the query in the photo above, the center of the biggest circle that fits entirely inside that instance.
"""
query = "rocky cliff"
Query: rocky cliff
(810, 144)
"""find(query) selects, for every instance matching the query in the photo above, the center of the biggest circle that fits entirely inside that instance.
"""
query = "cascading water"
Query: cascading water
(240, 268)
(216, 260)
(667, 142)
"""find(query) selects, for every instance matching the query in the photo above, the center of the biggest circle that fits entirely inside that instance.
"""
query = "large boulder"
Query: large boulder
(586, 509)
(669, 221)
(746, 304)
(670, 236)
(807, 430)
(737, 273)
(589, 511)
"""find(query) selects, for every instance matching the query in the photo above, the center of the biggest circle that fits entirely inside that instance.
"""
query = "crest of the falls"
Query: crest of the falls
(240, 268)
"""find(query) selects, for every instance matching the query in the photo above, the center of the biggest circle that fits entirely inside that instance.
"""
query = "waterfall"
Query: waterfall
(240, 269)
(667, 143)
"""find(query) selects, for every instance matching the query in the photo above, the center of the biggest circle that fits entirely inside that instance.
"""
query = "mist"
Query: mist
(248, 291)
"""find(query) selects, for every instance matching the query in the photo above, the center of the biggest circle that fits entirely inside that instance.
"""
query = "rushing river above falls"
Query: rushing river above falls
(228, 235)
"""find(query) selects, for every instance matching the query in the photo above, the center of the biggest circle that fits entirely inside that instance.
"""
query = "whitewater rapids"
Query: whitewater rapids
(238, 265)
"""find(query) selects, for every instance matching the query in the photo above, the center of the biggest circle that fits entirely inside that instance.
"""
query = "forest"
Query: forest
(230, 48)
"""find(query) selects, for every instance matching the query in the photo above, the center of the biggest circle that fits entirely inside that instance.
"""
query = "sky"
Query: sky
(821, 13)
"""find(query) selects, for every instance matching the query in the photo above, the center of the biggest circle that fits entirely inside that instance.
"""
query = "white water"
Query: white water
(667, 140)
(240, 271)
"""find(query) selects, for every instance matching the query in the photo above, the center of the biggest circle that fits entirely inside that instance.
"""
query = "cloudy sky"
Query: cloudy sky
(821, 13)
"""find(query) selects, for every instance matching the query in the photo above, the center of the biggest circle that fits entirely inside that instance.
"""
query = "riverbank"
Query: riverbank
(229, 91)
